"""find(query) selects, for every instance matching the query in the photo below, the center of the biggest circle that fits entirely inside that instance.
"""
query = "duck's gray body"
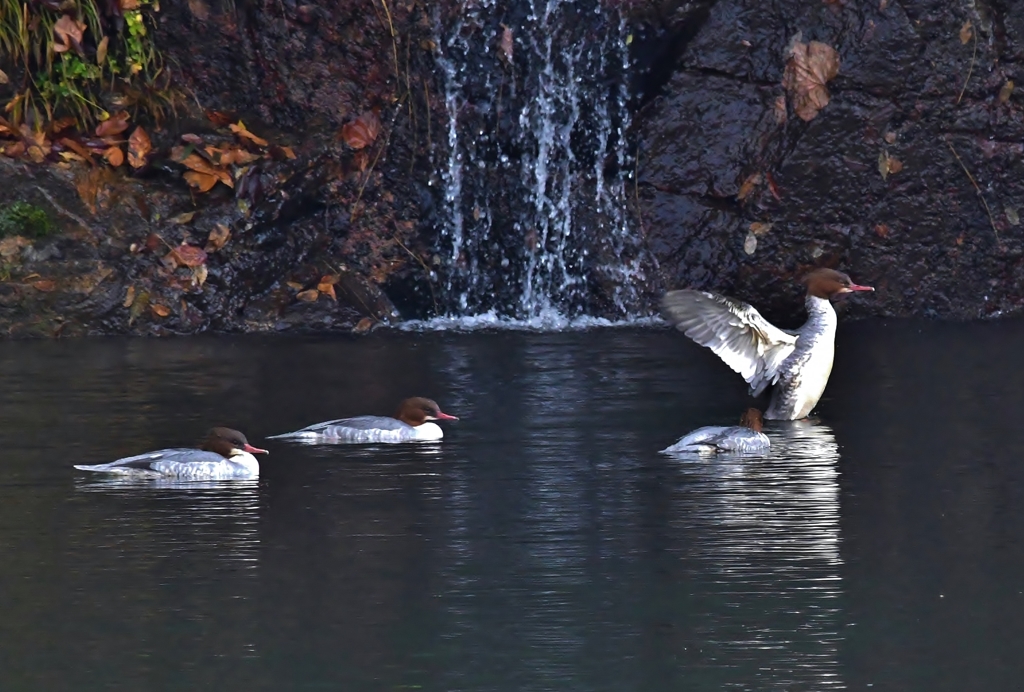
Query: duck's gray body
(797, 362)
(713, 439)
(364, 429)
(184, 464)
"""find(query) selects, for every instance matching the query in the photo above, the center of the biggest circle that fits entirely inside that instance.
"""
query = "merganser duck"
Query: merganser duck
(797, 362)
(224, 454)
(410, 424)
(745, 438)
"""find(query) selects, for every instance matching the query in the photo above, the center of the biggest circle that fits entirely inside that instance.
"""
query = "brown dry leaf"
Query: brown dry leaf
(327, 290)
(217, 238)
(14, 150)
(182, 218)
(68, 156)
(810, 68)
(4, 79)
(752, 181)
(11, 246)
(114, 125)
(288, 152)
(364, 325)
(203, 182)
(506, 43)
(199, 275)
(114, 156)
(240, 130)
(200, 10)
(294, 285)
(882, 230)
(101, 50)
(199, 165)
(362, 131)
(1012, 216)
(129, 297)
(128, 4)
(772, 187)
(331, 279)
(139, 306)
(760, 227)
(69, 34)
(77, 148)
(966, 32)
(139, 147)
(1006, 91)
(361, 159)
(237, 157)
(888, 164)
(160, 310)
(186, 256)
(218, 118)
(44, 285)
(308, 296)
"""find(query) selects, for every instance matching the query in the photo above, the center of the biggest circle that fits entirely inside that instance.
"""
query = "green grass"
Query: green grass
(22, 218)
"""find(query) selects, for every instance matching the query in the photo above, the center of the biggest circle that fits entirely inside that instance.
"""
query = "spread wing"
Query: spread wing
(736, 332)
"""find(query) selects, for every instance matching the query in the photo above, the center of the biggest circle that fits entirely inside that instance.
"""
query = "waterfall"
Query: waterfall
(535, 167)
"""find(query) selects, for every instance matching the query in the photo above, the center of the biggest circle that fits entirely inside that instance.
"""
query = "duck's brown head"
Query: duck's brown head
(751, 418)
(228, 442)
(418, 410)
(826, 283)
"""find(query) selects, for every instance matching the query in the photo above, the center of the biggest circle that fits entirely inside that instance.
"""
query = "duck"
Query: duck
(798, 363)
(412, 423)
(224, 454)
(745, 438)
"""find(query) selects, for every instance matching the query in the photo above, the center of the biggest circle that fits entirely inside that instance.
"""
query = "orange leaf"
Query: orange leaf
(240, 130)
(362, 131)
(186, 256)
(218, 118)
(77, 148)
(752, 181)
(327, 290)
(160, 310)
(129, 297)
(44, 285)
(308, 296)
(114, 156)
(218, 237)
(810, 67)
(201, 181)
(139, 147)
(114, 125)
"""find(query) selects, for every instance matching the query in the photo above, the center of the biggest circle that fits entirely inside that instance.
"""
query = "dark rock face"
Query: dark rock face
(816, 194)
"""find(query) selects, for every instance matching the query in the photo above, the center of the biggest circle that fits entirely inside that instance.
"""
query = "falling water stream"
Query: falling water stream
(536, 170)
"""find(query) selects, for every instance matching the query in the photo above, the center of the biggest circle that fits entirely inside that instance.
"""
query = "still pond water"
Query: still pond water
(544, 545)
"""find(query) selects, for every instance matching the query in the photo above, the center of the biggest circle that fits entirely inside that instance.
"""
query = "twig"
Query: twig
(423, 264)
(976, 188)
(61, 210)
(969, 71)
(394, 45)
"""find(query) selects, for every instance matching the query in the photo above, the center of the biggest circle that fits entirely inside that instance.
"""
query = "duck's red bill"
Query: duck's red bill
(855, 287)
(254, 450)
(445, 416)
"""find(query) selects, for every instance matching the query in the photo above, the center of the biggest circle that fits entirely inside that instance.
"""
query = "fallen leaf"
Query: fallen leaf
(772, 187)
(77, 148)
(888, 165)
(1006, 91)
(160, 310)
(114, 156)
(101, 50)
(364, 325)
(294, 285)
(182, 219)
(129, 297)
(362, 131)
(70, 156)
(288, 152)
(361, 159)
(1012, 216)
(199, 275)
(752, 181)
(191, 138)
(11, 246)
(506, 43)
(44, 285)
(882, 230)
(240, 130)
(217, 238)
(138, 306)
(750, 244)
(69, 34)
(200, 10)
(327, 290)
(237, 157)
(760, 227)
(4, 79)
(890, 137)
(219, 119)
(186, 256)
(308, 296)
(139, 147)
(199, 165)
(810, 68)
(14, 150)
(114, 125)
(966, 32)
(331, 279)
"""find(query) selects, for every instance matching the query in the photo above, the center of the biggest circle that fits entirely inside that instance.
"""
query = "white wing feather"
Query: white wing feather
(736, 332)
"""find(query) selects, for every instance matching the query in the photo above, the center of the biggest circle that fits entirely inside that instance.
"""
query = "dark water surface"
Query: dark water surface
(544, 545)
